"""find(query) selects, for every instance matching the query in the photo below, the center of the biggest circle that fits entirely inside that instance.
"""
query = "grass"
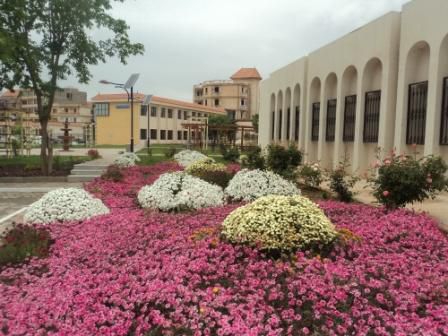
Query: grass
(33, 161)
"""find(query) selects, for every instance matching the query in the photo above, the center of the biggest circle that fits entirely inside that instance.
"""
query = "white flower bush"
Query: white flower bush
(67, 204)
(178, 192)
(125, 160)
(248, 185)
(187, 157)
(280, 223)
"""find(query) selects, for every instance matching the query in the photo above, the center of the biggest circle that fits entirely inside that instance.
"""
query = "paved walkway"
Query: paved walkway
(437, 208)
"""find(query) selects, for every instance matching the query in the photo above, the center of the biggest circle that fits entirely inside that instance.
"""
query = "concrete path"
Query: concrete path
(437, 208)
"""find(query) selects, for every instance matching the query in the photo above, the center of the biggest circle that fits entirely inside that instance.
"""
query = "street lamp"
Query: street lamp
(147, 102)
(129, 85)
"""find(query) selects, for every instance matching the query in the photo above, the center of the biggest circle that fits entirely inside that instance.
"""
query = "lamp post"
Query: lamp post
(128, 86)
(147, 102)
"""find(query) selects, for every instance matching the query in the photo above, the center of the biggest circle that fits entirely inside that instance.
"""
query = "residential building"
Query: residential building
(385, 85)
(163, 120)
(239, 96)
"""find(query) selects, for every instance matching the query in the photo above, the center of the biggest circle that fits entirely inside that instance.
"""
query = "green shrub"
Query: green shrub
(282, 223)
(284, 161)
(113, 173)
(211, 172)
(22, 242)
(253, 159)
(170, 152)
(342, 183)
(404, 179)
(311, 175)
(229, 154)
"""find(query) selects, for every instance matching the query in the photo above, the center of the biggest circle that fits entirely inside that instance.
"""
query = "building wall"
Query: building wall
(387, 54)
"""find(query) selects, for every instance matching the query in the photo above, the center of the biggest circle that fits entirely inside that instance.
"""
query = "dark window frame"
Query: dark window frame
(444, 120)
(280, 122)
(288, 124)
(162, 134)
(170, 113)
(297, 124)
(372, 120)
(143, 134)
(330, 128)
(153, 134)
(170, 135)
(154, 111)
(417, 113)
(315, 121)
(348, 133)
(143, 110)
(101, 113)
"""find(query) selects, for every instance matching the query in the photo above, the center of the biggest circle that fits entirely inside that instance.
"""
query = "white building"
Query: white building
(384, 85)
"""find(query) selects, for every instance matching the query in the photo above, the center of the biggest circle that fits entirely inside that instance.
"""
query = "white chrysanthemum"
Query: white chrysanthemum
(248, 185)
(68, 204)
(180, 191)
(187, 157)
(281, 223)
(127, 160)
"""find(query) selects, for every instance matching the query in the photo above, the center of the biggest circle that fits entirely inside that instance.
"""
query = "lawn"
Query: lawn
(142, 272)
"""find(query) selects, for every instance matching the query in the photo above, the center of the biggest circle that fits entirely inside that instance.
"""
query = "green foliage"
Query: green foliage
(231, 154)
(405, 179)
(342, 183)
(22, 242)
(49, 40)
(170, 152)
(284, 161)
(253, 159)
(219, 120)
(211, 172)
(255, 122)
(283, 223)
(311, 175)
(113, 173)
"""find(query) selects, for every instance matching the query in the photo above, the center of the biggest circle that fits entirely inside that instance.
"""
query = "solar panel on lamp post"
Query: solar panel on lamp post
(129, 85)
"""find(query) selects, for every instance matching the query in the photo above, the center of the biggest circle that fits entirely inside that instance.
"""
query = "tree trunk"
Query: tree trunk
(46, 150)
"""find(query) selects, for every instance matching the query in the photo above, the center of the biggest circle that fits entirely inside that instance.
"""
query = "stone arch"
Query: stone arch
(296, 115)
(287, 128)
(349, 90)
(272, 116)
(279, 115)
(313, 115)
(328, 120)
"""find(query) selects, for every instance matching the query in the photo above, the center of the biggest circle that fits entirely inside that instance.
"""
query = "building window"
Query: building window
(216, 89)
(170, 135)
(170, 113)
(243, 102)
(206, 102)
(331, 120)
(280, 124)
(143, 134)
(315, 122)
(288, 124)
(153, 134)
(162, 135)
(372, 116)
(297, 124)
(69, 96)
(193, 114)
(101, 109)
(216, 102)
(153, 111)
(179, 114)
(272, 125)
(185, 135)
(444, 126)
(349, 119)
(143, 110)
(416, 125)
(179, 135)
(163, 114)
(206, 90)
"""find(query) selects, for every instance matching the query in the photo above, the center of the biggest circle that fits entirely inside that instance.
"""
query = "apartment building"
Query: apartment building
(385, 86)
(238, 96)
(164, 120)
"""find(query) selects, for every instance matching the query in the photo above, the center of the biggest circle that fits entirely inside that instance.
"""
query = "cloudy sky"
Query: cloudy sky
(190, 41)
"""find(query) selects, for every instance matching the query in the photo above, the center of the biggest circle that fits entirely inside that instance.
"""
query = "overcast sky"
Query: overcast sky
(190, 41)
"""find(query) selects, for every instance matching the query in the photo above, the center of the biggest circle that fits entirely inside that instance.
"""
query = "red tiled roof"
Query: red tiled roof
(8, 93)
(119, 97)
(246, 73)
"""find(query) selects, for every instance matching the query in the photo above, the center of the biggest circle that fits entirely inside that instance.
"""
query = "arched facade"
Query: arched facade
(279, 122)
(313, 120)
(297, 122)
(272, 115)
(328, 125)
(287, 122)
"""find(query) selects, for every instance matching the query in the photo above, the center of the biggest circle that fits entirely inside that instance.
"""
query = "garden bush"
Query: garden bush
(311, 175)
(93, 154)
(188, 157)
(67, 204)
(342, 183)
(404, 179)
(23, 242)
(284, 161)
(211, 172)
(248, 185)
(113, 173)
(180, 192)
(281, 223)
(126, 160)
(170, 152)
(231, 154)
(253, 159)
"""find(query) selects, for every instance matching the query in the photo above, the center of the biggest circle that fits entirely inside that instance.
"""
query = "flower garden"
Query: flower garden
(161, 251)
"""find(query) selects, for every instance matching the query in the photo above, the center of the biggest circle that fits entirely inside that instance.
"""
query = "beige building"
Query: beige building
(239, 96)
(385, 86)
(164, 118)
(69, 104)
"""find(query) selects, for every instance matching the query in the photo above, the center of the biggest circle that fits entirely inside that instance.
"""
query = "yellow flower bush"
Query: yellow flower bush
(280, 223)
(211, 172)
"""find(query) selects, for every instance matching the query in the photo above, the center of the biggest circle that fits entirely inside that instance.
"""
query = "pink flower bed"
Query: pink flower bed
(137, 273)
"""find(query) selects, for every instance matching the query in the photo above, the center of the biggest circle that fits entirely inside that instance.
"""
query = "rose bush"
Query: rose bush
(187, 157)
(178, 192)
(280, 223)
(248, 185)
(63, 205)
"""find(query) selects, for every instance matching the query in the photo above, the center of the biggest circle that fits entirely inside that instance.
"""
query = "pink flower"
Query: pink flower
(386, 193)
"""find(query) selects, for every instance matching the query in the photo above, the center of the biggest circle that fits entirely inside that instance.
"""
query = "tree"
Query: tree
(255, 122)
(48, 40)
